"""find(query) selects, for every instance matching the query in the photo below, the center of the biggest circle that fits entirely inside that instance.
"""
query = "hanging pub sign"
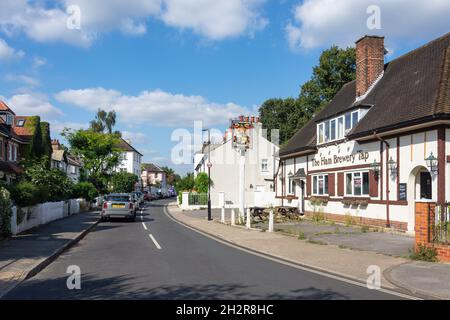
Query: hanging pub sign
(241, 132)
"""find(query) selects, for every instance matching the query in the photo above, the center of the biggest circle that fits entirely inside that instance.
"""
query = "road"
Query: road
(157, 258)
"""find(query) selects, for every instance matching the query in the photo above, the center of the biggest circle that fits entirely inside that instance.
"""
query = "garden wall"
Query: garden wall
(23, 219)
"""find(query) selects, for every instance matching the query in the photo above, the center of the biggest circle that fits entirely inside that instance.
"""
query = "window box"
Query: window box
(317, 201)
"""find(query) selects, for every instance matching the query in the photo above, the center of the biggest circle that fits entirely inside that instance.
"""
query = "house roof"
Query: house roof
(10, 167)
(58, 155)
(125, 146)
(4, 107)
(150, 167)
(414, 87)
(73, 161)
(23, 130)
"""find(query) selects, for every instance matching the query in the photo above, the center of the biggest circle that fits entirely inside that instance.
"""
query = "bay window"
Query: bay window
(357, 183)
(320, 185)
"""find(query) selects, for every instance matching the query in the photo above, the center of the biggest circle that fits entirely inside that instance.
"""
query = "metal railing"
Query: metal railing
(198, 199)
(440, 232)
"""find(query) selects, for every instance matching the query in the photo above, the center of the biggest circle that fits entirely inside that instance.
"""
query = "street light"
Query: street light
(209, 173)
(432, 163)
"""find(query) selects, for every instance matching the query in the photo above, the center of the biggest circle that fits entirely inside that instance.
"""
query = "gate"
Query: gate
(440, 224)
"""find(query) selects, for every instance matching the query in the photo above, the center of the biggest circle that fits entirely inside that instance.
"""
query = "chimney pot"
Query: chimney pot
(369, 62)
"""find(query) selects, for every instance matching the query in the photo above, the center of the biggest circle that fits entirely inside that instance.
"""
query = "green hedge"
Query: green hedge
(26, 194)
(5, 213)
(84, 190)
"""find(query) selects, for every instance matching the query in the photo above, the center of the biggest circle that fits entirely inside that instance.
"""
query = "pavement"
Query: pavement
(24, 255)
(156, 257)
(326, 249)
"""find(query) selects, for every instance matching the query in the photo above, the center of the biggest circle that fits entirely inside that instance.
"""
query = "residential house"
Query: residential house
(64, 161)
(152, 175)
(380, 145)
(130, 158)
(257, 162)
(14, 134)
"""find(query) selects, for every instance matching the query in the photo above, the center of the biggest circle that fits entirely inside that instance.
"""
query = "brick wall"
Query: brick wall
(369, 62)
(424, 217)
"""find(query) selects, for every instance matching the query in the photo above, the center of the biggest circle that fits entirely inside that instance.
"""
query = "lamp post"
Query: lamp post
(209, 173)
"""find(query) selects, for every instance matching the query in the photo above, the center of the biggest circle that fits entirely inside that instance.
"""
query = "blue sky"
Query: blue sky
(161, 64)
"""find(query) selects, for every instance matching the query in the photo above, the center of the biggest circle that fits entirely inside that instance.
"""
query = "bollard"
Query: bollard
(222, 215)
(233, 221)
(247, 222)
(271, 221)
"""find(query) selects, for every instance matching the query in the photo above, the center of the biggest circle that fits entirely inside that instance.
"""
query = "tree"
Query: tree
(46, 142)
(84, 190)
(124, 181)
(336, 67)
(98, 152)
(104, 121)
(201, 182)
(55, 182)
(171, 176)
(186, 183)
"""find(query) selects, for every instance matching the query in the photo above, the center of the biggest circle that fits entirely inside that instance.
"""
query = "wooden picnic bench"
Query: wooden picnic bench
(257, 212)
(287, 211)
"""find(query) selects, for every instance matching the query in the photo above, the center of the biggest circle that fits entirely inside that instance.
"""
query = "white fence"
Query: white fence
(31, 217)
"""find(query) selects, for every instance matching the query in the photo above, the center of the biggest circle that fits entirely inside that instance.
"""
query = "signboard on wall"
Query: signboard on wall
(402, 191)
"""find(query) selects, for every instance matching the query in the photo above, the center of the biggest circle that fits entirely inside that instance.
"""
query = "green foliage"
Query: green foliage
(98, 151)
(186, 183)
(46, 143)
(124, 181)
(201, 182)
(336, 67)
(59, 186)
(5, 212)
(301, 235)
(26, 194)
(171, 177)
(424, 253)
(104, 121)
(84, 190)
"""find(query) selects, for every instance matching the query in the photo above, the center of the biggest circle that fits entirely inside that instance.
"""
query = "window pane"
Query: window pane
(326, 184)
(340, 131)
(365, 187)
(357, 184)
(348, 121)
(327, 131)
(320, 185)
(333, 130)
(315, 185)
(349, 183)
(354, 119)
(321, 133)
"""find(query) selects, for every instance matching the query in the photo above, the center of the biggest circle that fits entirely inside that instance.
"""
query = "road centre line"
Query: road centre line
(154, 241)
(145, 227)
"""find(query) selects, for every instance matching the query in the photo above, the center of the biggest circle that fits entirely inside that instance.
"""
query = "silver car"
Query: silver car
(119, 205)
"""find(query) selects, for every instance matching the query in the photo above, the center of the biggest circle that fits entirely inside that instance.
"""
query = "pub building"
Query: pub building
(381, 144)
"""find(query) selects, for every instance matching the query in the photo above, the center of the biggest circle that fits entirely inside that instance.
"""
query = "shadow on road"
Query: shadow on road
(128, 287)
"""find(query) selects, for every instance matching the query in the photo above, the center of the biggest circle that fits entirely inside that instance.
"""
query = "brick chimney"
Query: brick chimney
(369, 62)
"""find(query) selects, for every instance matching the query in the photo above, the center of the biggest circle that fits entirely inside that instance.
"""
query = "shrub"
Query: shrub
(424, 253)
(124, 181)
(301, 235)
(84, 190)
(25, 194)
(5, 212)
(201, 182)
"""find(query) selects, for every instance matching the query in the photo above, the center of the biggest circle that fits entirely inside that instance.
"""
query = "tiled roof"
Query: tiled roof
(150, 167)
(23, 130)
(125, 146)
(4, 107)
(414, 87)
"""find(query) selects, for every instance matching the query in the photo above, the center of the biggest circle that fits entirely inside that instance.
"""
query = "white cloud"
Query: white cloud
(43, 22)
(135, 137)
(31, 104)
(38, 62)
(321, 23)
(153, 108)
(23, 79)
(9, 53)
(56, 127)
(215, 19)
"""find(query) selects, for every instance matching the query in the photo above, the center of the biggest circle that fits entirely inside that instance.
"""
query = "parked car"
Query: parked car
(119, 205)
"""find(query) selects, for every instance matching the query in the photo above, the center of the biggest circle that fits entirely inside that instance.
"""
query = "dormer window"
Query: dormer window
(336, 128)
(20, 123)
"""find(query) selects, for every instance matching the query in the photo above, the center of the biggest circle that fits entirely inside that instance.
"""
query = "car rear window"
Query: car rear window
(118, 198)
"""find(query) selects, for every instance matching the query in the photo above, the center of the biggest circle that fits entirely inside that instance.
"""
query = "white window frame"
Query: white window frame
(265, 165)
(319, 177)
(291, 187)
(361, 173)
(339, 131)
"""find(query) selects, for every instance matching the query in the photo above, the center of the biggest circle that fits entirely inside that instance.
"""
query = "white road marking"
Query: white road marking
(304, 268)
(154, 241)
(145, 227)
